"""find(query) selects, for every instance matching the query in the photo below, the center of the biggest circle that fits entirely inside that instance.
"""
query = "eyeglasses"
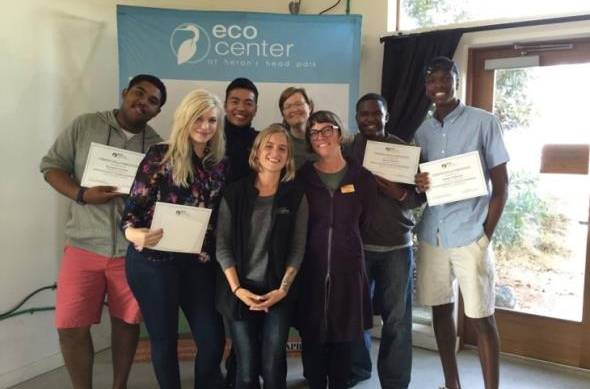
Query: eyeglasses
(297, 105)
(326, 132)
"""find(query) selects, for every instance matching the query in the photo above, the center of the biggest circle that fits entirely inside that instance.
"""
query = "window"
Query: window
(416, 14)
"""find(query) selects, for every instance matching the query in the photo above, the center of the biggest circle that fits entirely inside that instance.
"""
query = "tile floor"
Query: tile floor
(516, 373)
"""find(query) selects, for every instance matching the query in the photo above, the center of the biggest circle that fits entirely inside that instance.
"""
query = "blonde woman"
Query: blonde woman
(260, 245)
(189, 169)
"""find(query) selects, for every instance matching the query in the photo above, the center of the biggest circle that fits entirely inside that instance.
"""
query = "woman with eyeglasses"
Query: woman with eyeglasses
(296, 106)
(260, 245)
(334, 307)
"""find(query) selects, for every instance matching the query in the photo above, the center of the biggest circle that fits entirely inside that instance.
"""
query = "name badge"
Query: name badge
(347, 188)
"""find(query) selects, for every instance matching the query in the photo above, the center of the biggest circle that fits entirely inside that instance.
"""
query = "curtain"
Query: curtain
(402, 82)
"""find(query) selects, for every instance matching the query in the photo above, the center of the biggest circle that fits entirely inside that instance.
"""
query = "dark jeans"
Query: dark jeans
(326, 365)
(391, 273)
(259, 342)
(161, 287)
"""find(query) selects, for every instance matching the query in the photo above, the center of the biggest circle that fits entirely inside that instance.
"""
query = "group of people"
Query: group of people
(301, 234)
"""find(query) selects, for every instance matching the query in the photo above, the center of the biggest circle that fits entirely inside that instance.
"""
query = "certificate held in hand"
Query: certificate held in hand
(394, 162)
(184, 227)
(111, 166)
(455, 178)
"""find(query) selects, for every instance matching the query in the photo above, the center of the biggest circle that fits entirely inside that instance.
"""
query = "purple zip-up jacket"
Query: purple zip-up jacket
(335, 304)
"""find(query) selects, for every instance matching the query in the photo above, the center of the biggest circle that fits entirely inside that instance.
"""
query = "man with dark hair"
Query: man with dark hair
(387, 243)
(155, 81)
(94, 256)
(455, 237)
(241, 98)
(241, 104)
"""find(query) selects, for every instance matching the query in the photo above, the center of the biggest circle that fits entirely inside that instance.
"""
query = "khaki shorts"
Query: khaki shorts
(438, 267)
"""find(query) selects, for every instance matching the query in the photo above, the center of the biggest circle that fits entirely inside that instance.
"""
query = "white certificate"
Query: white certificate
(394, 162)
(455, 178)
(184, 227)
(111, 166)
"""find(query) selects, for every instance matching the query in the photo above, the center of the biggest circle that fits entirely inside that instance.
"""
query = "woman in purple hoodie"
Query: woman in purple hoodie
(334, 307)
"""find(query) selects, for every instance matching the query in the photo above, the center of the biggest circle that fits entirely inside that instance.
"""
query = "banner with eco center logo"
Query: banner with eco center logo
(207, 49)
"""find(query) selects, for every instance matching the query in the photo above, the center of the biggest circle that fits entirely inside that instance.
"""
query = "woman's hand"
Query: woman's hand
(269, 299)
(143, 237)
(247, 297)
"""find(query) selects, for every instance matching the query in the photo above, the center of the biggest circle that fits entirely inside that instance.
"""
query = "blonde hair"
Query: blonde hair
(180, 149)
(262, 138)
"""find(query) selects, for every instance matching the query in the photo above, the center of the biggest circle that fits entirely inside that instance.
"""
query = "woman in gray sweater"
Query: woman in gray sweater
(261, 236)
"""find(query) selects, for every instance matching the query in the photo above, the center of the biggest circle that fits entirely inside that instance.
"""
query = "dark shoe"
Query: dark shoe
(355, 379)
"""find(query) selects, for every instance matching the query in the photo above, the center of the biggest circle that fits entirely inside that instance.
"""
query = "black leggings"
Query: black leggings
(326, 365)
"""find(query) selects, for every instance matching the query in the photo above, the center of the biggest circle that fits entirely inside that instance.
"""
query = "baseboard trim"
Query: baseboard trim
(31, 370)
(187, 349)
(539, 363)
(53, 361)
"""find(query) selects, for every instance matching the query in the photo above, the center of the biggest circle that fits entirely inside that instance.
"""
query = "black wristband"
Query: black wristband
(80, 196)
(236, 289)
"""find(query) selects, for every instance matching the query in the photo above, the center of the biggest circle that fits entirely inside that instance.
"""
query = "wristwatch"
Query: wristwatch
(80, 196)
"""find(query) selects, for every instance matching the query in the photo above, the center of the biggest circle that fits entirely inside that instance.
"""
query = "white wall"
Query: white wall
(59, 59)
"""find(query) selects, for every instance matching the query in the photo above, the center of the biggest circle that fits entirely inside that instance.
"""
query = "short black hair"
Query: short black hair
(440, 63)
(372, 96)
(155, 81)
(242, 83)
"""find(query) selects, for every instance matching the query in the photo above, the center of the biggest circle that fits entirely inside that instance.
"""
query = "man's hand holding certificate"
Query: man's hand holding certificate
(110, 166)
(394, 162)
(184, 227)
(455, 178)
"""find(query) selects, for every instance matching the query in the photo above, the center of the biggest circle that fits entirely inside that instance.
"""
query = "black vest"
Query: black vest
(240, 197)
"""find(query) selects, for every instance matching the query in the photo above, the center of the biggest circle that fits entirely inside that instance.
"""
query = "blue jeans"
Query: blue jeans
(259, 342)
(390, 275)
(161, 287)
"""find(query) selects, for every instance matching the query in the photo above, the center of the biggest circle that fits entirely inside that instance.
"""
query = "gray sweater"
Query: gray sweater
(94, 227)
(257, 249)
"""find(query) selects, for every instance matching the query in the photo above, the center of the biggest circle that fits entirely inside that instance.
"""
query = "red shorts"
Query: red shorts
(84, 280)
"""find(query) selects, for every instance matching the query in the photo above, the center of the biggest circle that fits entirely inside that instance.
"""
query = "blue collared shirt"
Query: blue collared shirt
(465, 129)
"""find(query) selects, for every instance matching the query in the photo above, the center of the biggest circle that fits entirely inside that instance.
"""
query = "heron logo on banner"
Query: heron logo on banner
(190, 43)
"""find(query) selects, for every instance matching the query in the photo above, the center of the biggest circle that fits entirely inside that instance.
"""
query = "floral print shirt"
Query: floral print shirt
(153, 182)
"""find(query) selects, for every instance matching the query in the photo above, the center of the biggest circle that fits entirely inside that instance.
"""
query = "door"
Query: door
(540, 92)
